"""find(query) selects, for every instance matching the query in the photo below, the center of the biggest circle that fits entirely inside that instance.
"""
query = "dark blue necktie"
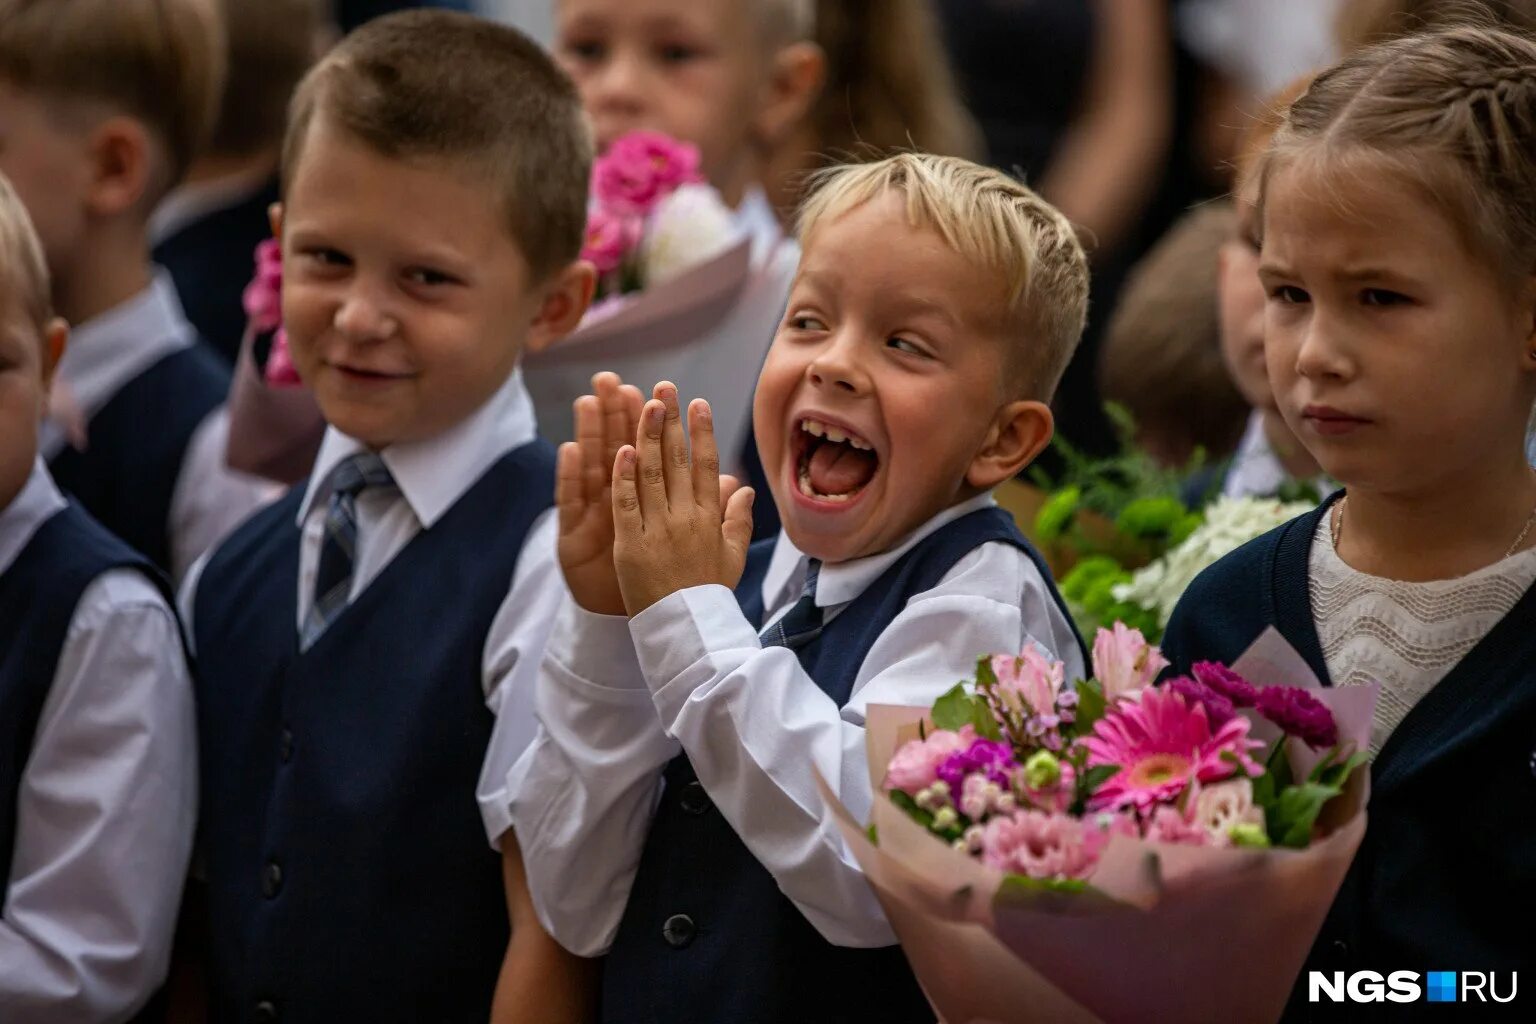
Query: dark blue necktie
(338, 548)
(803, 622)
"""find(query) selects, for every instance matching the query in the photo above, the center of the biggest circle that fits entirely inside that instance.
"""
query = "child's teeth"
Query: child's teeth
(813, 428)
(833, 434)
(860, 445)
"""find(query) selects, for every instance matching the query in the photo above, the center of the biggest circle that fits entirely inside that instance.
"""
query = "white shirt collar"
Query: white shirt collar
(192, 202)
(435, 473)
(109, 350)
(755, 217)
(841, 582)
(38, 502)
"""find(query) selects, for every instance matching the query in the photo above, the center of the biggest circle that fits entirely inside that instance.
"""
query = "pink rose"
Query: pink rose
(611, 237)
(642, 168)
(263, 297)
(1123, 662)
(280, 371)
(1031, 678)
(916, 765)
(1167, 825)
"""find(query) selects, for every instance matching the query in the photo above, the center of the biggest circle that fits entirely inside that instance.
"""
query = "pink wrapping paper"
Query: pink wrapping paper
(1180, 933)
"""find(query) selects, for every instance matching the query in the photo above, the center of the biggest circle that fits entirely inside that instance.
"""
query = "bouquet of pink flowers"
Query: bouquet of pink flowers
(263, 302)
(1055, 850)
(651, 216)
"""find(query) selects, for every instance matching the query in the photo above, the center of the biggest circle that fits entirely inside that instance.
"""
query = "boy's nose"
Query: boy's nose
(361, 318)
(617, 91)
(833, 369)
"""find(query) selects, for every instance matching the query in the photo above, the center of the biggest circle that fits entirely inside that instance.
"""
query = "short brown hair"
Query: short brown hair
(995, 222)
(272, 43)
(26, 299)
(1162, 350)
(1452, 112)
(160, 61)
(441, 84)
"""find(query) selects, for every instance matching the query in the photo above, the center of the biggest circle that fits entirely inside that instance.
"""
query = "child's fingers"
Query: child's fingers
(736, 530)
(626, 495)
(728, 486)
(674, 448)
(706, 459)
(589, 440)
(570, 496)
(650, 464)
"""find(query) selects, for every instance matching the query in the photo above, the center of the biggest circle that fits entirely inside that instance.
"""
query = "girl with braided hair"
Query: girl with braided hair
(1398, 252)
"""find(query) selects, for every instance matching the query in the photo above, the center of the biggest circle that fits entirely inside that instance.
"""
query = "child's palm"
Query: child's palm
(605, 422)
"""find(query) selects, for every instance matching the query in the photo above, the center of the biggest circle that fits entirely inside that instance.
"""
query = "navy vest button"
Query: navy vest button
(265, 1013)
(285, 747)
(271, 880)
(695, 799)
(679, 931)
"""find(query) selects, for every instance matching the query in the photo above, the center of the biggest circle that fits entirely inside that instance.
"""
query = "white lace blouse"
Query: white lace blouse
(1405, 636)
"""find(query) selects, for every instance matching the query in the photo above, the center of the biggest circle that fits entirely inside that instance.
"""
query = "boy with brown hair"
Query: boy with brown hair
(366, 645)
(104, 104)
(97, 761)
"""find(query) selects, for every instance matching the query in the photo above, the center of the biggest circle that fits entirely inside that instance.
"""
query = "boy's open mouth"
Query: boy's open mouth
(833, 464)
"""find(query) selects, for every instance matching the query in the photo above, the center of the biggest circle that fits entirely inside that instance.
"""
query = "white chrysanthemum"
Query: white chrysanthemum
(689, 226)
(1229, 524)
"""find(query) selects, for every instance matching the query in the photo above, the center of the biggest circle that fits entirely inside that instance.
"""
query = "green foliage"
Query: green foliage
(957, 709)
(1056, 516)
(1090, 706)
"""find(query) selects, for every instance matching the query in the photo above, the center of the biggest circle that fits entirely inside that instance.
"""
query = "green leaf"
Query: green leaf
(874, 833)
(1090, 706)
(1065, 894)
(1279, 765)
(955, 709)
(1093, 778)
(1291, 819)
(1329, 773)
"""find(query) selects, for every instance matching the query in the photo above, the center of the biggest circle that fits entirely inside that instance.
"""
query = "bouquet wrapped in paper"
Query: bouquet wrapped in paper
(1112, 849)
(685, 293)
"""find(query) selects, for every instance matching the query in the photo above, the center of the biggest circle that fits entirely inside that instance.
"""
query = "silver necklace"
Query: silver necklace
(1337, 524)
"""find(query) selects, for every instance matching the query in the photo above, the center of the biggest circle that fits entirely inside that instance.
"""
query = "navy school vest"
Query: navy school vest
(707, 935)
(136, 444)
(349, 875)
(38, 597)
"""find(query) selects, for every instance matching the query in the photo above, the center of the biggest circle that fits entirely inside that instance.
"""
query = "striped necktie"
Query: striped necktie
(803, 622)
(338, 548)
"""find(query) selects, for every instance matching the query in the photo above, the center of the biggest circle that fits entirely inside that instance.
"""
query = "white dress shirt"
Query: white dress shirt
(432, 476)
(618, 699)
(107, 802)
(1255, 470)
(110, 350)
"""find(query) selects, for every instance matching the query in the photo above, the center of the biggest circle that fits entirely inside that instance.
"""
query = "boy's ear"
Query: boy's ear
(795, 79)
(1019, 433)
(54, 339)
(121, 166)
(275, 218)
(565, 302)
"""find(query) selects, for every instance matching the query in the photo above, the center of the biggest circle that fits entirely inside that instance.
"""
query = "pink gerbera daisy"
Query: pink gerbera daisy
(1160, 743)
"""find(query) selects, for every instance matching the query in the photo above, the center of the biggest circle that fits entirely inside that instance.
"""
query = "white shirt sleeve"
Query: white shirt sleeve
(583, 794)
(513, 650)
(210, 499)
(104, 816)
(753, 722)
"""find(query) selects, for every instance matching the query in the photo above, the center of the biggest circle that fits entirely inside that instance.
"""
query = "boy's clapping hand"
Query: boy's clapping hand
(676, 522)
(606, 421)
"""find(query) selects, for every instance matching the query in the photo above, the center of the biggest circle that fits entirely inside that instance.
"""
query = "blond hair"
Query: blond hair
(445, 85)
(159, 61)
(26, 298)
(1452, 112)
(786, 21)
(1162, 350)
(272, 43)
(1364, 22)
(995, 223)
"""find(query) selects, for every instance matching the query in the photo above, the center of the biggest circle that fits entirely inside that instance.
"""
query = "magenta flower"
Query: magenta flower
(1218, 708)
(1224, 681)
(280, 371)
(1299, 714)
(1039, 845)
(610, 238)
(915, 766)
(1160, 744)
(1123, 661)
(263, 297)
(991, 758)
(642, 168)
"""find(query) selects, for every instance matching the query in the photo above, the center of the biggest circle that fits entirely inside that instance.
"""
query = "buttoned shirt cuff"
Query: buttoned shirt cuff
(594, 654)
(683, 629)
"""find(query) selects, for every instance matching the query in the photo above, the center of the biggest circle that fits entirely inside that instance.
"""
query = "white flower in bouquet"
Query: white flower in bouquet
(1229, 524)
(687, 228)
